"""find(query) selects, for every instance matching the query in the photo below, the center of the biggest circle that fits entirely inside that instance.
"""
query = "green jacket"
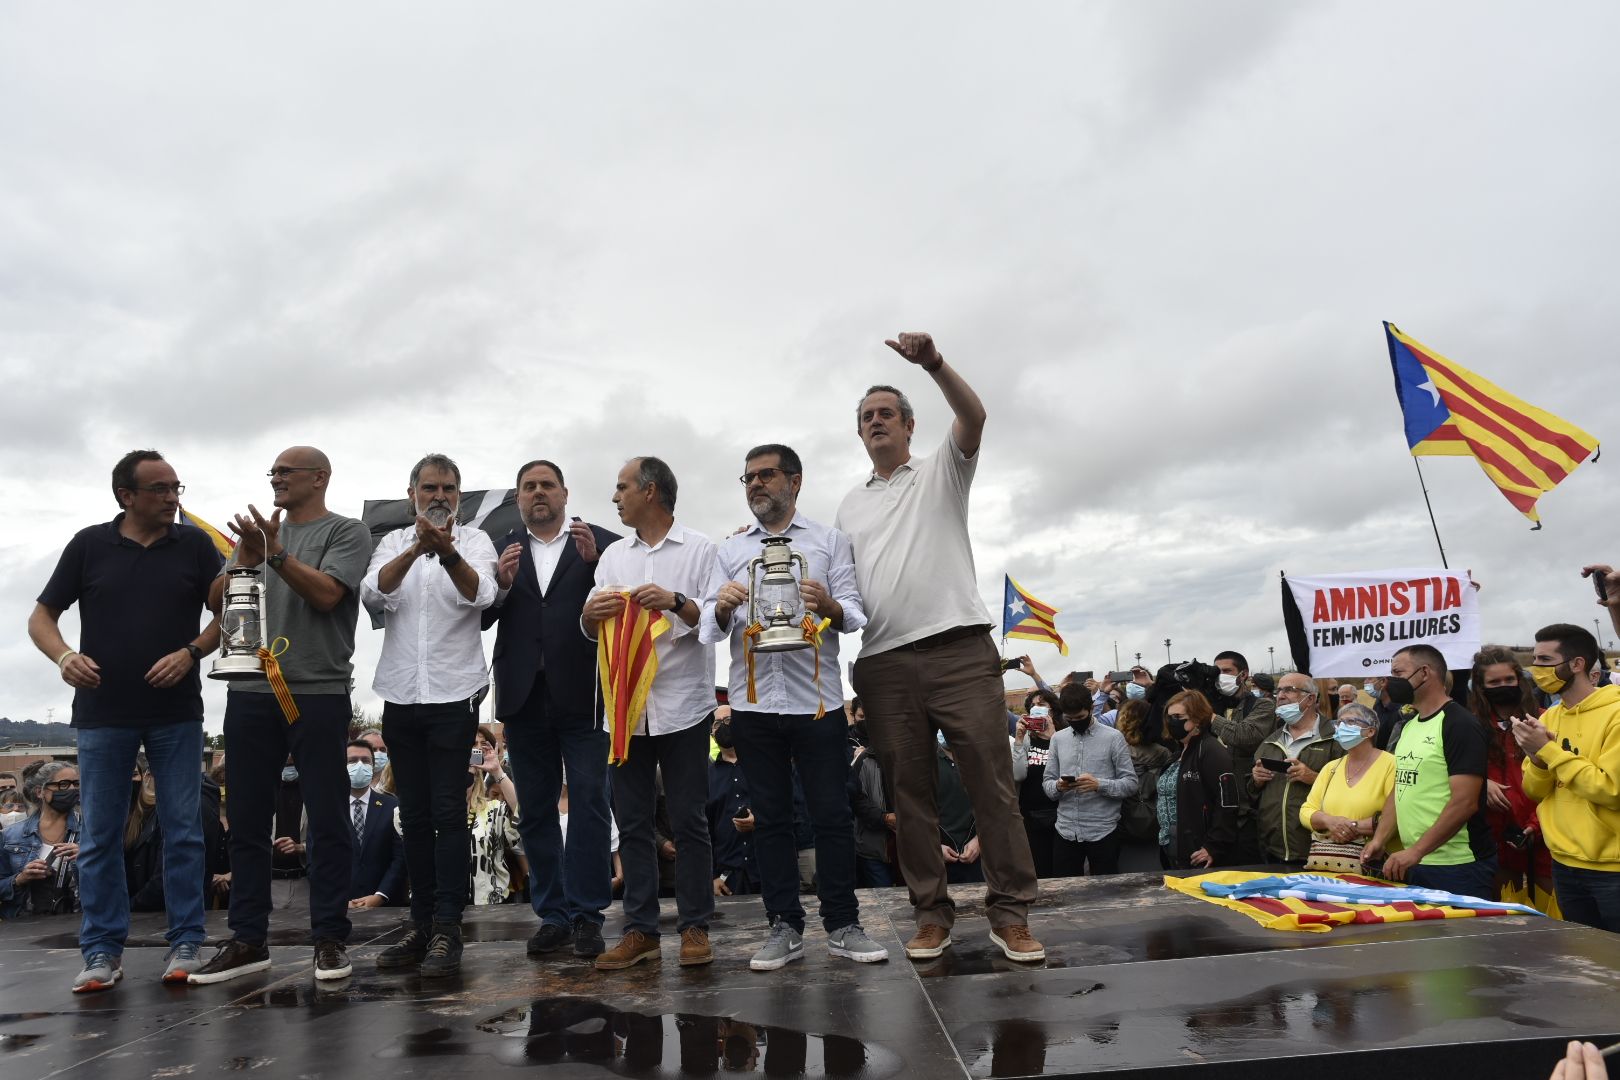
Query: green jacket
(1282, 837)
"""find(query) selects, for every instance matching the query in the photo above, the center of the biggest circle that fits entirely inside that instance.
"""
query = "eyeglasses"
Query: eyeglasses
(766, 475)
(161, 490)
(61, 785)
(283, 471)
(1281, 690)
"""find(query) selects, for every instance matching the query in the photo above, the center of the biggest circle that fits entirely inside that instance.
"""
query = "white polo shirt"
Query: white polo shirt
(913, 559)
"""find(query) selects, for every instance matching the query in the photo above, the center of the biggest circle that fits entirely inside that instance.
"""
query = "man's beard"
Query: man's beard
(438, 514)
(773, 507)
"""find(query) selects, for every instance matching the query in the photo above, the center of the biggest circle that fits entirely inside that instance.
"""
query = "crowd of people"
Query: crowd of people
(770, 784)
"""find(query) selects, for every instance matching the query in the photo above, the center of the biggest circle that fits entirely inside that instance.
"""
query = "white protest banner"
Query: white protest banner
(1352, 624)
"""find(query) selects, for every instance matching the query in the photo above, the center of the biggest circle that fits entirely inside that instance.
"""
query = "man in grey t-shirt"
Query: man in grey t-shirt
(316, 561)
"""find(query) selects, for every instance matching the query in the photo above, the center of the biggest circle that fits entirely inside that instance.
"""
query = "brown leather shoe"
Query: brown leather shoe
(928, 943)
(695, 947)
(632, 949)
(1016, 941)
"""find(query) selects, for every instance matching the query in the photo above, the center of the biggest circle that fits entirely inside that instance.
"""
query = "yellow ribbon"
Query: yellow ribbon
(812, 634)
(272, 672)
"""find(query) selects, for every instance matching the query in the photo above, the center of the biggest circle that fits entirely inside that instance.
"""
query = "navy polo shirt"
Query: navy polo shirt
(136, 605)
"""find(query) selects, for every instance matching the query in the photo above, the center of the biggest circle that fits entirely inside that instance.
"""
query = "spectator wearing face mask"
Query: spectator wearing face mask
(39, 875)
(1140, 816)
(377, 871)
(1348, 794)
(1205, 791)
(1572, 769)
(1305, 742)
(731, 816)
(1032, 747)
(1498, 691)
(1242, 722)
(1089, 775)
(874, 817)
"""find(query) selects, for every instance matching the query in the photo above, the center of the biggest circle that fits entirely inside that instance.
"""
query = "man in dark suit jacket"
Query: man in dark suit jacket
(545, 695)
(378, 860)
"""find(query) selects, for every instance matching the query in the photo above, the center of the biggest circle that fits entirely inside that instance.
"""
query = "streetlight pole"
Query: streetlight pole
(1116, 656)
(1138, 659)
(1167, 650)
(1272, 651)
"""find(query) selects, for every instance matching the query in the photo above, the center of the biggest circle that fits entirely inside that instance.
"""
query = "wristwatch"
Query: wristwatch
(277, 559)
(196, 652)
(680, 602)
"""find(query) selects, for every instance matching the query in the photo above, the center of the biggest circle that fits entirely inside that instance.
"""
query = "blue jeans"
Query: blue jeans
(873, 874)
(769, 747)
(1588, 897)
(573, 880)
(1476, 878)
(106, 760)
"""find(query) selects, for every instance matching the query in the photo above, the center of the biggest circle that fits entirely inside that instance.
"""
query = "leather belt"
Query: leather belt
(945, 637)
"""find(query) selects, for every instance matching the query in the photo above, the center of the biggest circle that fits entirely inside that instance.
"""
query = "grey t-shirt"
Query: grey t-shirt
(320, 645)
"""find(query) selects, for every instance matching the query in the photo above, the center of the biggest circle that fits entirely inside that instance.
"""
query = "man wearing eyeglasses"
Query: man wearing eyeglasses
(316, 560)
(142, 585)
(780, 717)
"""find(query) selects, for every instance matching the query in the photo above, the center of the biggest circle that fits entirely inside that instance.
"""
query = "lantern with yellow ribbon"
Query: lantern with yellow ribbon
(245, 651)
(777, 620)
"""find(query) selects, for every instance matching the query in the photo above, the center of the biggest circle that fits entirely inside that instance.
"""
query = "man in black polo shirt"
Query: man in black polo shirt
(141, 583)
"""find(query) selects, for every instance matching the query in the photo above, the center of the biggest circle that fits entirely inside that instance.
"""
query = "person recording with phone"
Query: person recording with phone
(1286, 765)
(1607, 583)
(1206, 793)
(39, 875)
(431, 581)
(1089, 775)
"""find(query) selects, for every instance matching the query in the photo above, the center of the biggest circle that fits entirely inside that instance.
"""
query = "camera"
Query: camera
(1196, 676)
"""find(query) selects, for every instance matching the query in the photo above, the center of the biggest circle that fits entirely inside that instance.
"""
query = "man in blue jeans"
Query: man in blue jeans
(779, 713)
(141, 582)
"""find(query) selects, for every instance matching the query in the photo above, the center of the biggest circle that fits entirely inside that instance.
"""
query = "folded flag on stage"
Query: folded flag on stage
(1316, 903)
(1450, 411)
(1023, 616)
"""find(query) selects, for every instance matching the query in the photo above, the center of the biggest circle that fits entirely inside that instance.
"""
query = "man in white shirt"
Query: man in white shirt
(779, 719)
(431, 581)
(928, 664)
(661, 566)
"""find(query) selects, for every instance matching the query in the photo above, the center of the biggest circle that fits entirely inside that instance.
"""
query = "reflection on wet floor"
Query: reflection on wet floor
(572, 1030)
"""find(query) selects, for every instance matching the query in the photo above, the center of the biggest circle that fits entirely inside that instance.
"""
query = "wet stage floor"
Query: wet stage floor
(1137, 978)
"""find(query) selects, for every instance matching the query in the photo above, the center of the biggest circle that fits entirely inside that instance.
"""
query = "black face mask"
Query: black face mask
(63, 802)
(1400, 691)
(1503, 695)
(722, 736)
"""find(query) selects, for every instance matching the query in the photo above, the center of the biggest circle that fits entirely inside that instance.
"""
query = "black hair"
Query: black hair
(365, 746)
(536, 462)
(1429, 656)
(785, 457)
(123, 474)
(1236, 657)
(1573, 642)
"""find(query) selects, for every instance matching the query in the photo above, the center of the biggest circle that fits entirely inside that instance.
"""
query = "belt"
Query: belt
(945, 637)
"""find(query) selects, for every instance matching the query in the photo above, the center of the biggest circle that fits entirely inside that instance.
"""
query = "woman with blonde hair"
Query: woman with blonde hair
(493, 825)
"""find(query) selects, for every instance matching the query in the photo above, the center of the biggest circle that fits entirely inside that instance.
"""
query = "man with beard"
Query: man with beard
(431, 581)
(1242, 721)
(316, 560)
(545, 694)
(779, 718)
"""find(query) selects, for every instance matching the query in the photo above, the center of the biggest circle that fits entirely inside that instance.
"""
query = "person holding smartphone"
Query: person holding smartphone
(1206, 794)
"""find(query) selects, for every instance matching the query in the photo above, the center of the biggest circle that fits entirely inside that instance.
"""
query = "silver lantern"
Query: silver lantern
(241, 625)
(774, 602)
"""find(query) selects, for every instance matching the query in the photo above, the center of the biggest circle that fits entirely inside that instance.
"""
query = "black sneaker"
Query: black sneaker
(549, 938)
(407, 952)
(234, 958)
(443, 952)
(332, 960)
(588, 939)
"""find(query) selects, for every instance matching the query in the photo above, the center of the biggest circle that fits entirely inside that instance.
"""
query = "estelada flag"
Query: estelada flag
(1450, 411)
(1316, 903)
(626, 664)
(1023, 616)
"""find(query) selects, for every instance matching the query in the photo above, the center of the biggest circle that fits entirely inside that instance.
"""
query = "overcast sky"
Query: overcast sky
(1158, 238)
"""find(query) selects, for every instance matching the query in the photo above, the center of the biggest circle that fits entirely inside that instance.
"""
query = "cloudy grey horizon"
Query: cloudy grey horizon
(1157, 238)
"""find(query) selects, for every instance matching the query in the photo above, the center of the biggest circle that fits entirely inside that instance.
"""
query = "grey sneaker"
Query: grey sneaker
(184, 958)
(852, 943)
(783, 946)
(101, 972)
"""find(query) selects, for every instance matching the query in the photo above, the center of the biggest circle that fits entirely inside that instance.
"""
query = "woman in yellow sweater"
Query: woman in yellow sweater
(1349, 792)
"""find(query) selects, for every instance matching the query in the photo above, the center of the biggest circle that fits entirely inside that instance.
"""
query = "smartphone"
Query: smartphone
(477, 758)
(1082, 676)
(1009, 663)
(1119, 677)
(1275, 765)
(1600, 582)
(1068, 779)
(745, 812)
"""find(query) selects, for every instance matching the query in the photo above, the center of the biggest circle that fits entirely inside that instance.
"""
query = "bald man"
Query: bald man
(316, 561)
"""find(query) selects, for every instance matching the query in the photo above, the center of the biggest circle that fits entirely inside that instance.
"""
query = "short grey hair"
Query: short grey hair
(34, 786)
(651, 470)
(907, 413)
(435, 461)
(1358, 714)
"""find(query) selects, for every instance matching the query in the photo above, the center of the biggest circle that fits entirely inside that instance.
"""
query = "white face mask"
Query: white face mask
(1227, 684)
(7, 820)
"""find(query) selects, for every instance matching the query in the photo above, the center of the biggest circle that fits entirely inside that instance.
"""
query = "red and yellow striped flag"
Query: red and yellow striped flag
(222, 543)
(1450, 411)
(626, 664)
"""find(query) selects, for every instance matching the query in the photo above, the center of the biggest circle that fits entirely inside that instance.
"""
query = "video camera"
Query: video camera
(1192, 675)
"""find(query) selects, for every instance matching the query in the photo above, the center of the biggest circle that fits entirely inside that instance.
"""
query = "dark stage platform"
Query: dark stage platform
(1138, 978)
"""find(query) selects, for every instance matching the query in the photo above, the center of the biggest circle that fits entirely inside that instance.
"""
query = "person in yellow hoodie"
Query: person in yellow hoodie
(1572, 768)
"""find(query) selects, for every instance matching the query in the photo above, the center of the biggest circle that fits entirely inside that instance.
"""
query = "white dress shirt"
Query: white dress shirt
(433, 648)
(683, 690)
(785, 682)
(546, 555)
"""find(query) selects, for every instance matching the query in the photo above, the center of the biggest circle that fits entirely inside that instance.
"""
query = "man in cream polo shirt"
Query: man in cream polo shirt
(927, 663)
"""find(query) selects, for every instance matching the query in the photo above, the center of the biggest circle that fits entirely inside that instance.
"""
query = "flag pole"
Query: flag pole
(1430, 506)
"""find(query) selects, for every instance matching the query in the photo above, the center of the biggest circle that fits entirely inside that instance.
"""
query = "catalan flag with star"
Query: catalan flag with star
(1450, 411)
(1023, 616)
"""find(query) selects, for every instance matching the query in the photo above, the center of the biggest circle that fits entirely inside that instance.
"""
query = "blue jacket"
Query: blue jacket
(19, 846)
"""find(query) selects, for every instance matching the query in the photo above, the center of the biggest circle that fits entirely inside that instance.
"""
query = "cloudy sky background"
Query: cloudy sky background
(1158, 239)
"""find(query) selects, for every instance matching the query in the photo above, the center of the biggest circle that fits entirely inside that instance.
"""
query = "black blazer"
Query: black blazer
(379, 865)
(532, 626)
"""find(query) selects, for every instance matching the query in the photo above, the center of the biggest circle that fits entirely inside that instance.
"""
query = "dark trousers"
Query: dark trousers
(1070, 858)
(257, 742)
(1588, 897)
(909, 694)
(683, 758)
(429, 747)
(769, 747)
(1476, 878)
(873, 873)
(573, 880)
(1042, 834)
